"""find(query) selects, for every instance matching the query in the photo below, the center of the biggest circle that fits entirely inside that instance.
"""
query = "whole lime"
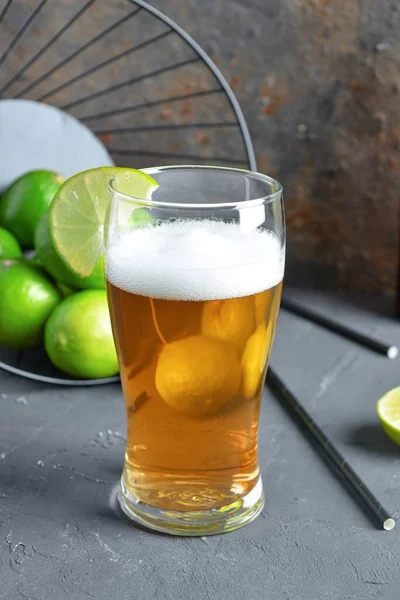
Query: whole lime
(25, 201)
(197, 375)
(55, 265)
(230, 320)
(27, 297)
(78, 336)
(254, 360)
(6, 263)
(9, 246)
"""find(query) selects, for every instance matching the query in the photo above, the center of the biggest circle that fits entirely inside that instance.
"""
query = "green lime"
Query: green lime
(78, 212)
(388, 408)
(35, 261)
(55, 265)
(65, 290)
(6, 263)
(9, 246)
(78, 336)
(27, 297)
(141, 217)
(25, 201)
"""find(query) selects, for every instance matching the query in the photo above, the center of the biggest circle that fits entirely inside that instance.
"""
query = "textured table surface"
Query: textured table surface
(62, 451)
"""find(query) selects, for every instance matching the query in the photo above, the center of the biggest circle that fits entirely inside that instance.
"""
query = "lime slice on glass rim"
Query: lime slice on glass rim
(79, 208)
(388, 408)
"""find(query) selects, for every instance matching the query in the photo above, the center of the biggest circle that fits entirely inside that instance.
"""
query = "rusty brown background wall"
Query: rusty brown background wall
(319, 83)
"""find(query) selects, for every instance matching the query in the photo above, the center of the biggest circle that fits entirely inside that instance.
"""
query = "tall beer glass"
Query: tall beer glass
(194, 278)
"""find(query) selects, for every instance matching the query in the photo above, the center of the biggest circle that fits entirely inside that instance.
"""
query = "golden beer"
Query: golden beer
(194, 278)
(192, 374)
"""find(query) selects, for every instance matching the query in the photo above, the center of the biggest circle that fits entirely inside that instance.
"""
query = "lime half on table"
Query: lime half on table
(388, 408)
(79, 209)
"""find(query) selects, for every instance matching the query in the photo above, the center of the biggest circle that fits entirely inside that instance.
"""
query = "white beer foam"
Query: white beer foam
(195, 260)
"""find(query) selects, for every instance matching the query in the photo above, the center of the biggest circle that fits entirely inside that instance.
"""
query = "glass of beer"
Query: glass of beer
(194, 277)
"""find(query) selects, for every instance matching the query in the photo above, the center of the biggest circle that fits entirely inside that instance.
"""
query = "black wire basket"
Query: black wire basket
(142, 85)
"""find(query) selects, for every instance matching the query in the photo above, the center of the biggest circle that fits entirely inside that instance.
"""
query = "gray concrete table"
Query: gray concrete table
(62, 451)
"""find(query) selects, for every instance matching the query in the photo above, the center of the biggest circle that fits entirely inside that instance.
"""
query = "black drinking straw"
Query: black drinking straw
(328, 451)
(387, 350)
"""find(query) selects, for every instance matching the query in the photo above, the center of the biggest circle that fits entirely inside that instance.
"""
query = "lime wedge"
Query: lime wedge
(388, 408)
(79, 209)
(141, 217)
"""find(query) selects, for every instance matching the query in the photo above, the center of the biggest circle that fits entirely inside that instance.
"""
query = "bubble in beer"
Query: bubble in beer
(198, 375)
(253, 360)
(230, 320)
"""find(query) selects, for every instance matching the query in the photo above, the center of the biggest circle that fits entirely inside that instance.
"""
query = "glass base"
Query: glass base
(191, 523)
